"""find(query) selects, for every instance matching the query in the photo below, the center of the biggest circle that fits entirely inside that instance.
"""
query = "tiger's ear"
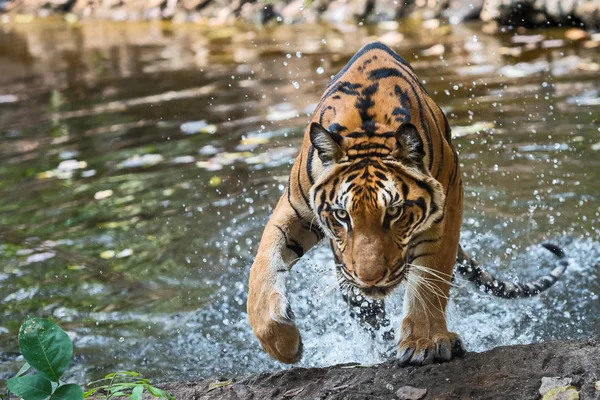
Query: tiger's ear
(409, 147)
(327, 143)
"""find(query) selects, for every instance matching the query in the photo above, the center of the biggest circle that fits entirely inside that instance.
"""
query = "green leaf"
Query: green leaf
(118, 373)
(46, 347)
(216, 385)
(136, 394)
(24, 369)
(156, 392)
(68, 392)
(31, 387)
(90, 392)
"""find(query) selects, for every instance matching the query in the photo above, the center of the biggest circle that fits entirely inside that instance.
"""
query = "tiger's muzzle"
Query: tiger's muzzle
(378, 288)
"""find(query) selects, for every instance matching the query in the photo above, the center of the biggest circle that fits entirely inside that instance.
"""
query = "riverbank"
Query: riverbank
(528, 13)
(511, 372)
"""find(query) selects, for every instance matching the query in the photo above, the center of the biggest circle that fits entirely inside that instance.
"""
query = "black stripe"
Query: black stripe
(420, 256)
(421, 118)
(420, 242)
(367, 48)
(300, 184)
(381, 73)
(290, 201)
(309, 160)
(404, 190)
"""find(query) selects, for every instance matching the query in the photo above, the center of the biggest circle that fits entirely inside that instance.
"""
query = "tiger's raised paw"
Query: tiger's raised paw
(282, 341)
(272, 321)
(422, 351)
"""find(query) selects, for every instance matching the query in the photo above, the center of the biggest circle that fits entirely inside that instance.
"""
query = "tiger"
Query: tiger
(378, 176)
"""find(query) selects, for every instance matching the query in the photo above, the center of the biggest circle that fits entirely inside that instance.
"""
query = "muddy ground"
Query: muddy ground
(513, 372)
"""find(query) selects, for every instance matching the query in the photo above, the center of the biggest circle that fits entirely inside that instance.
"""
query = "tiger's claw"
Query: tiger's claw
(422, 351)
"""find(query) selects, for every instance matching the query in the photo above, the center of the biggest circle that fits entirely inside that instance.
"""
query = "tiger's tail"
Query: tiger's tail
(508, 290)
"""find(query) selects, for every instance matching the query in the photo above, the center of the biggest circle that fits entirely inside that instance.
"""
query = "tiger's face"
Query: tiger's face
(374, 197)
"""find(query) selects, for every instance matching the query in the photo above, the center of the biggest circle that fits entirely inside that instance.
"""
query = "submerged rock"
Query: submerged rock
(511, 372)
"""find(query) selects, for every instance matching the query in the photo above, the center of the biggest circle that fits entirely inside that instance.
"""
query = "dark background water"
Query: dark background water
(140, 162)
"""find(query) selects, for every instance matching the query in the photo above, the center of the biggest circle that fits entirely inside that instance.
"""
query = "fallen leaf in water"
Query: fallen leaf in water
(550, 44)
(411, 393)
(523, 69)
(576, 34)
(103, 194)
(511, 51)
(107, 254)
(526, 39)
(293, 392)
(588, 66)
(254, 140)
(39, 257)
(392, 38)
(124, 253)
(145, 160)
(435, 50)
(459, 131)
(215, 181)
(209, 165)
(208, 150)
(183, 160)
(202, 126)
(71, 165)
(8, 98)
(216, 385)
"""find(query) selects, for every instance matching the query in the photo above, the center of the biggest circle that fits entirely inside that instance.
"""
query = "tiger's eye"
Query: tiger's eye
(341, 215)
(395, 211)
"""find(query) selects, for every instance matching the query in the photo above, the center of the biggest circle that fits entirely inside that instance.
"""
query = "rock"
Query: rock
(511, 372)
(410, 393)
(549, 383)
(507, 12)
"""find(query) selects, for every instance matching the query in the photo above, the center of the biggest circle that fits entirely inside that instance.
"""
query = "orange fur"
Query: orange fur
(378, 175)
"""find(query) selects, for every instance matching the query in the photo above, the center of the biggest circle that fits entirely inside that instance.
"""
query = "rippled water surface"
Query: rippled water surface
(140, 162)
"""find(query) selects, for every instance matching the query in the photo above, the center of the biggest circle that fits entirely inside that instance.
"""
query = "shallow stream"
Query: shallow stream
(139, 163)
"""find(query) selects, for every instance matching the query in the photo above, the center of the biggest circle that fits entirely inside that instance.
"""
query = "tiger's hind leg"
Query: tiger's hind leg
(369, 312)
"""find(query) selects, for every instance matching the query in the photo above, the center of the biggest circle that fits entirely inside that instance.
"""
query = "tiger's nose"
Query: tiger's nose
(369, 280)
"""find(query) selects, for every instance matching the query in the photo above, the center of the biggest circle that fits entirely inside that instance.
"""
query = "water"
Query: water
(140, 162)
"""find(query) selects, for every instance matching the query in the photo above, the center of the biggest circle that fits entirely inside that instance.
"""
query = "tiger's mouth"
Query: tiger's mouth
(383, 290)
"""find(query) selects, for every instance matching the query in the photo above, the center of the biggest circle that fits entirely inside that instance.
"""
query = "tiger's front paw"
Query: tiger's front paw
(422, 349)
(273, 324)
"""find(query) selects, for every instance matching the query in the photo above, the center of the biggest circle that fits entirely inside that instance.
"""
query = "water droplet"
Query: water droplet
(121, 339)
(320, 70)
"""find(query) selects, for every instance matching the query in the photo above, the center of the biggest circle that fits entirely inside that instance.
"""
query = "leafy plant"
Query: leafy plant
(125, 383)
(48, 349)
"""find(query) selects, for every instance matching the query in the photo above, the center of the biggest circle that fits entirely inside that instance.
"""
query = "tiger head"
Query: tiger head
(375, 194)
